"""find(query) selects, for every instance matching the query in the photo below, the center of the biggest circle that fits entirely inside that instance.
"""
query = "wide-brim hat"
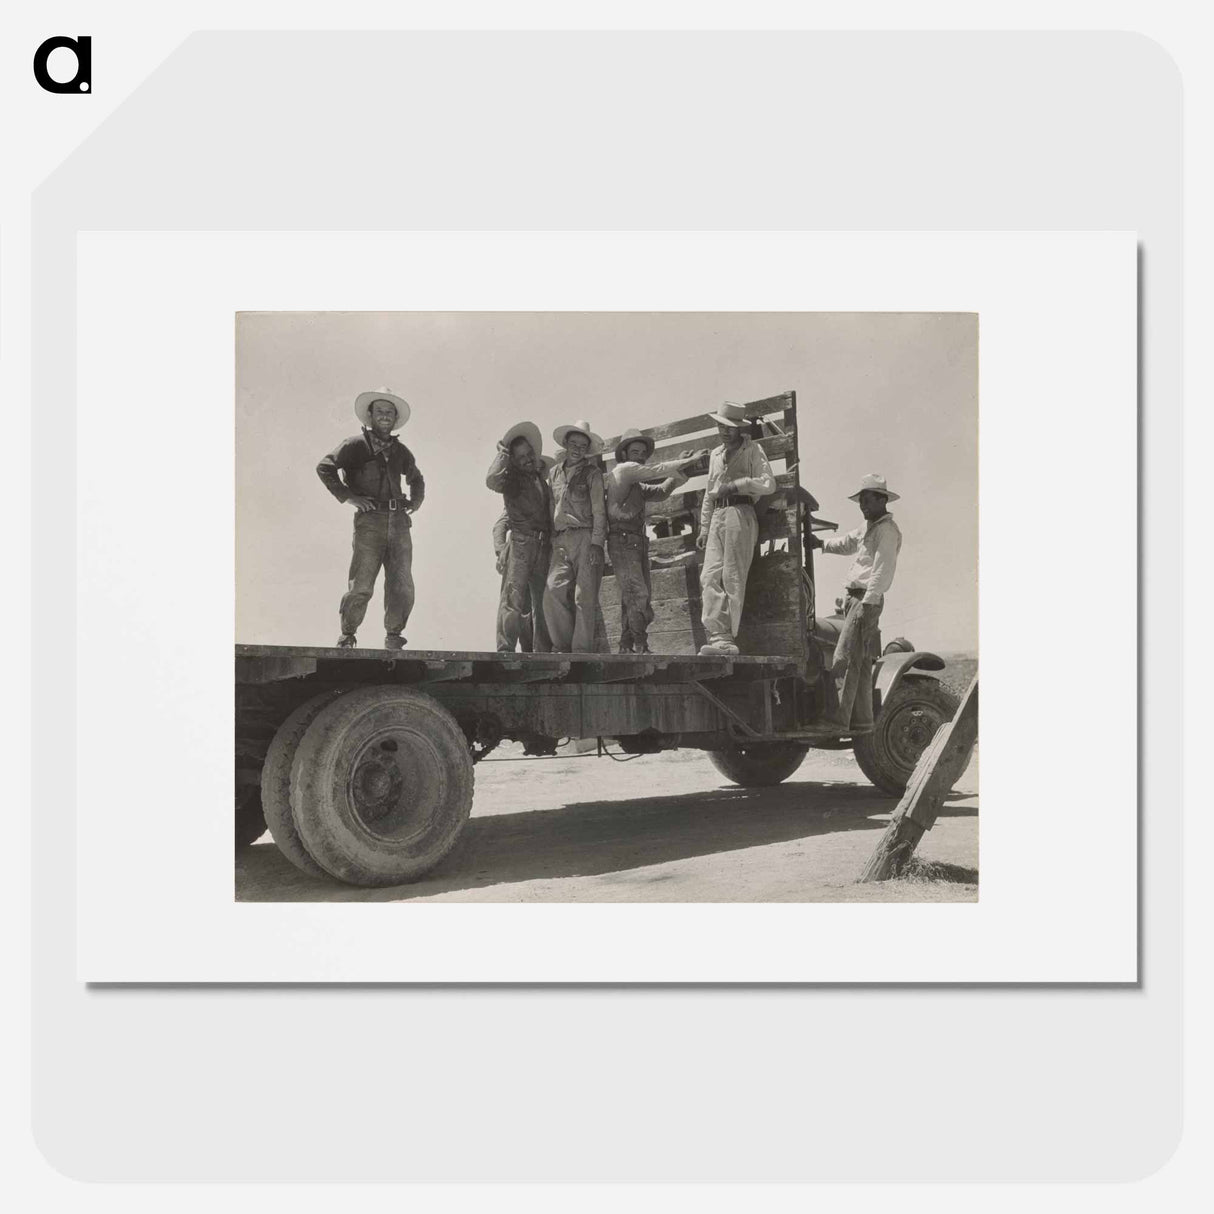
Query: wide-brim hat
(528, 430)
(633, 436)
(876, 482)
(583, 427)
(363, 402)
(732, 414)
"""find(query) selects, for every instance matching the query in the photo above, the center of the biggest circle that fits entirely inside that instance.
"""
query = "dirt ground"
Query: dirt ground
(662, 828)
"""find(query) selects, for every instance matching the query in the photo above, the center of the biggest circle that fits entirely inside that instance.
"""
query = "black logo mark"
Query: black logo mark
(82, 48)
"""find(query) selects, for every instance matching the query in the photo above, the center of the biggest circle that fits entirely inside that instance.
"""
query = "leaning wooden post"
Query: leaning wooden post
(940, 766)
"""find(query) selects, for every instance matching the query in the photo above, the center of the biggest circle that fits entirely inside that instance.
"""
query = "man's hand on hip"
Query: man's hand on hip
(361, 504)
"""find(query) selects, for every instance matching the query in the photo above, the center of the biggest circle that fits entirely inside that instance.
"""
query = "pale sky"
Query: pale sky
(894, 393)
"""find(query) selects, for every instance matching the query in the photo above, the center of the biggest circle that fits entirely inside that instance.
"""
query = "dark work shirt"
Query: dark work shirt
(371, 469)
(527, 495)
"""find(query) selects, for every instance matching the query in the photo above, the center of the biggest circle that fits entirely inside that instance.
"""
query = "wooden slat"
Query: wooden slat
(938, 769)
(672, 546)
(686, 425)
(778, 446)
(683, 502)
(772, 404)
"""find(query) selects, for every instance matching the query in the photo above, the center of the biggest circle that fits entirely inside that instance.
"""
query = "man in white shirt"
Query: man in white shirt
(738, 475)
(875, 546)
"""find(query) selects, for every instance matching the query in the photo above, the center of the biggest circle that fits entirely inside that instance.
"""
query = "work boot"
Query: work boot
(722, 647)
(394, 641)
(643, 647)
(625, 647)
(347, 641)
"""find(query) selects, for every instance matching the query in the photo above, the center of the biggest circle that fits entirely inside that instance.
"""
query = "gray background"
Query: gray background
(604, 131)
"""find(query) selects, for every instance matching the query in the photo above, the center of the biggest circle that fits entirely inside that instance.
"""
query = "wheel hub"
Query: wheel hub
(377, 784)
(910, 733)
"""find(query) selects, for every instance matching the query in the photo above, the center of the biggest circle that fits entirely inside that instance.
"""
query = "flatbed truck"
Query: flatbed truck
(361, 761)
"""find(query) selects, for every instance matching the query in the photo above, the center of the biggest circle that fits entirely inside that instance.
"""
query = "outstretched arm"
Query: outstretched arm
(661, 491)
(845, 544)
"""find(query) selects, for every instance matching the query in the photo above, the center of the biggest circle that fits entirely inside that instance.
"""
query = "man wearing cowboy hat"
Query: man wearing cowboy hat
(738, 474)
(365, 472)
(631, 482)
(876, 546)
(519, 472)
(579, 526)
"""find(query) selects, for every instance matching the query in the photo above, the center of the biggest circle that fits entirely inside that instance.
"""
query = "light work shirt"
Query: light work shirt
(578, 499)
(876, 546)
(629, 488)
(749, 470)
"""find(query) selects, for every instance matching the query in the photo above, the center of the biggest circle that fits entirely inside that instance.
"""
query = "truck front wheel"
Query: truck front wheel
(905, 726)
(381, 785)
(759, 764)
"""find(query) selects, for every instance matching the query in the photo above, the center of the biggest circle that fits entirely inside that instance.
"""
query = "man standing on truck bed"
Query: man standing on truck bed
(519, 472)
(579, 525)
(630, 484)
(365, 471)
(738, 474)
(876, 546)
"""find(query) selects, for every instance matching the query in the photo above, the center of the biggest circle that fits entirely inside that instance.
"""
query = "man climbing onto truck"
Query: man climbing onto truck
(876, 546)
(365, 472)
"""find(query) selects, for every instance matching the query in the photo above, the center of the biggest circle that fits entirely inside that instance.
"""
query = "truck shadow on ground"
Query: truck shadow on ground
(594, 838)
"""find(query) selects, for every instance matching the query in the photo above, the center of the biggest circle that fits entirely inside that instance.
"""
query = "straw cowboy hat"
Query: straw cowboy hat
(627, 439)
(583, 427)
(528, 430)
(363, 401)
(876, 482)
(732, 414)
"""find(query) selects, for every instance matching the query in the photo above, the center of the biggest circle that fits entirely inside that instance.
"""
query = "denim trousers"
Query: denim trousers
(853, 661)
(382, 540)
(523, 583)
(571, 597)
(629, 554)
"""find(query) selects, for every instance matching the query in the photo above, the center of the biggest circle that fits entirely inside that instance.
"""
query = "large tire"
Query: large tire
(905, 726)
(250, 822)
(759, 764)
(381, 785)
(276, 783)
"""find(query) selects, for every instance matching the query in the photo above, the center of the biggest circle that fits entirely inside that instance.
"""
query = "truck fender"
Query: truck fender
(888, 672)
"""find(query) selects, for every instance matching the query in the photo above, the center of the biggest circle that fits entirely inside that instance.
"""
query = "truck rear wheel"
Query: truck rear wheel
(905, 726)
(759, 764)
(276, 783)
(250, 823)
(381, 785)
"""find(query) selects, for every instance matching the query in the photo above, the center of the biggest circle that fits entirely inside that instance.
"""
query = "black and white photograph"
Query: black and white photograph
(606, 607)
